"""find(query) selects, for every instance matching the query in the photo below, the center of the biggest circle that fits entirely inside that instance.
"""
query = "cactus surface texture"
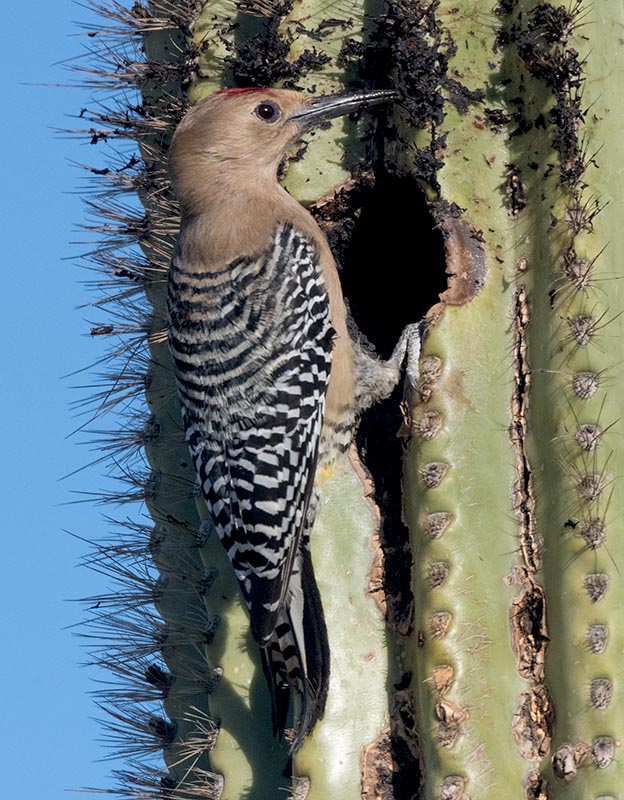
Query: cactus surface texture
(470, 552)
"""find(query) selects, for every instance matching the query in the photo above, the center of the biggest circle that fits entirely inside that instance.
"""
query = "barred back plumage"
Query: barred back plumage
(252, 350)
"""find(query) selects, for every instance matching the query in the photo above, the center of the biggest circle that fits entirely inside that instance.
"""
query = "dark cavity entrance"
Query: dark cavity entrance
(392, 270)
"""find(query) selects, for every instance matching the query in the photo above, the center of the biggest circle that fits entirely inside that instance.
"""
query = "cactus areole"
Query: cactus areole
(470, 566)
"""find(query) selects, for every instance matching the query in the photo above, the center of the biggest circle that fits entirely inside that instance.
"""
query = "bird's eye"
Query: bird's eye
(267, 112)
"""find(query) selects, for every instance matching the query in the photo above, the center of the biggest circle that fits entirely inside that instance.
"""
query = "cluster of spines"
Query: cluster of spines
(150, 630)
(543, 37)
(545, 43)
(585, 315)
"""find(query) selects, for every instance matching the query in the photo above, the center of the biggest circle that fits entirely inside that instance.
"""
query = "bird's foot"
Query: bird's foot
(407, 351)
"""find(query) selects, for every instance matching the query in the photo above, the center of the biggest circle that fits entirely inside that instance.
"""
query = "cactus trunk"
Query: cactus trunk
(495, 672)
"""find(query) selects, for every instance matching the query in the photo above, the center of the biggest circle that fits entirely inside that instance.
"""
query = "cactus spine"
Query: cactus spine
(511, 485)
(509, 124)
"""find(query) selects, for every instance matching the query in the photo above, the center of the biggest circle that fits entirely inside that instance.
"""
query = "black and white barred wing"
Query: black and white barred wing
(252, 349)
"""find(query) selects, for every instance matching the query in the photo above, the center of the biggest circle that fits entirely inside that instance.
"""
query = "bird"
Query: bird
(269, 377)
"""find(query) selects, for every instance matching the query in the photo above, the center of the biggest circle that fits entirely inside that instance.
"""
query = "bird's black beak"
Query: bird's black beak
(336, 105)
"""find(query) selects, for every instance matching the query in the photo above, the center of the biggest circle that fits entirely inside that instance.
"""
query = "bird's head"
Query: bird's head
(250, 130)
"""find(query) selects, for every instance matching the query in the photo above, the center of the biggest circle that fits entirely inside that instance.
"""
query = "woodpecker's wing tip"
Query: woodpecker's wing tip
(280, 697)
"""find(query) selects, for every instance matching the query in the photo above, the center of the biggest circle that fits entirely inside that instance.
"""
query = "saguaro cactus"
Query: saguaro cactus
(494, 671)
(511, 490)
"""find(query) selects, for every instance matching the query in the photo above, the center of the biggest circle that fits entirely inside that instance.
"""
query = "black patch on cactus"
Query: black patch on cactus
(515, 190)
(543, 45)
(419, 50)
(262, 59)
(505, 7)
(497, 118)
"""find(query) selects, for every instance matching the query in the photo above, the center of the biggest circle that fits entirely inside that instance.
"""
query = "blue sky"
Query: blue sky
(49, 739)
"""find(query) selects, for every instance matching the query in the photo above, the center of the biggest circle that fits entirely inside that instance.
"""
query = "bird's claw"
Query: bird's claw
(407, 351)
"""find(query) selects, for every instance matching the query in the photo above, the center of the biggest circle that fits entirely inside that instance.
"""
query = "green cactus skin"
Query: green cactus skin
(582, 526)
(510, 485)
(459, 472)
(511, 482)
(330, 152)
(344, 550)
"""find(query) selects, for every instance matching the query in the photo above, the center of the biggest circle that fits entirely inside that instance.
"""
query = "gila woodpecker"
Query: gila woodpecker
(269, 379)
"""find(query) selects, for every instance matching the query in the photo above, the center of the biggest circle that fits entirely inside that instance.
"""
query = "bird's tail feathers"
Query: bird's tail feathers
(296, 658)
